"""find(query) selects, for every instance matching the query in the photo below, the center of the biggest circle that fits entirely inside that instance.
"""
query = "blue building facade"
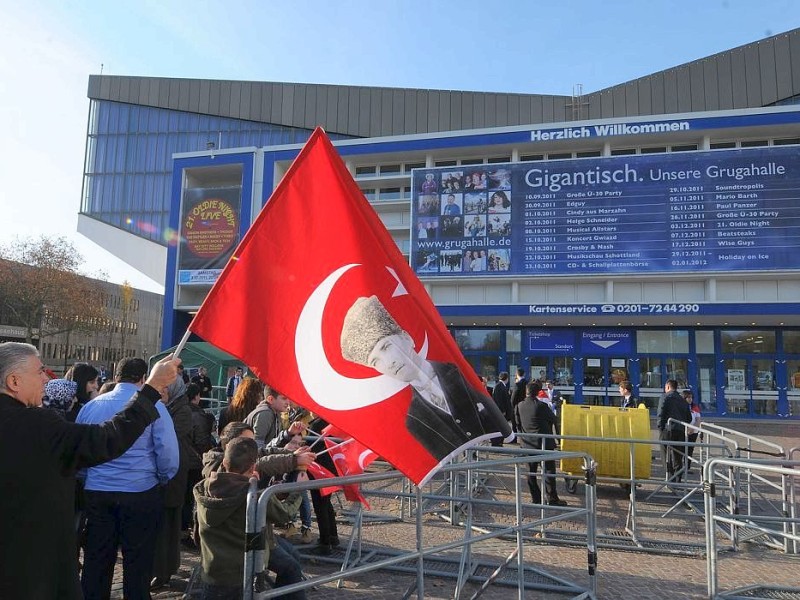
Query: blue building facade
(160, 151)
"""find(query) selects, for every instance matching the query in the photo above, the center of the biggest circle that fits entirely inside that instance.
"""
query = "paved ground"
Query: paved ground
(621, 573)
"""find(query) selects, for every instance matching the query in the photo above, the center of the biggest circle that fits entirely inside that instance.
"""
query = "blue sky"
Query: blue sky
(48, 49)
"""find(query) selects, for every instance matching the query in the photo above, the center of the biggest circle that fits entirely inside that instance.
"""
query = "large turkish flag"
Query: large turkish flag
(318, 261)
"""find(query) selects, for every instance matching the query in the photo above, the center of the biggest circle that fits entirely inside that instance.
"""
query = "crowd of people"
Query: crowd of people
(134, 464)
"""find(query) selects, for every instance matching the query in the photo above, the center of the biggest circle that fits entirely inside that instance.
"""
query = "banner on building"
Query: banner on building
(210, 224)
(727, 210)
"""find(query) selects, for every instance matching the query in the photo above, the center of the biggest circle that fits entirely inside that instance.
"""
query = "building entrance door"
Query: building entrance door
(601, 379)
(749, 386)
(485, 365)
(558, 369)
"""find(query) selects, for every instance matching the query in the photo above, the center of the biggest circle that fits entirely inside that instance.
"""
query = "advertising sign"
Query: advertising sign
(675, 212)
(210, 220)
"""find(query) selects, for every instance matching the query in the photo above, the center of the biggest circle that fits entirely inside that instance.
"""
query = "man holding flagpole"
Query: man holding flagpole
(445, 413)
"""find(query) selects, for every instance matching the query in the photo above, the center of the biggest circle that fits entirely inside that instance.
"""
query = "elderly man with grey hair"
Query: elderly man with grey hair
(445, 413)
(39, 455)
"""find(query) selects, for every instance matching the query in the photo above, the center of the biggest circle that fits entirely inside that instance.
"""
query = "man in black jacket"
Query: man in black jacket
(520, 388)
(40, 453)
(502, 398)
(672, 406)
(535, 416)
(202, 381)
(518, 395)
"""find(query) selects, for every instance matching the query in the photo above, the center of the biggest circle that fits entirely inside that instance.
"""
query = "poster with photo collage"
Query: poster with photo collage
(462, 220)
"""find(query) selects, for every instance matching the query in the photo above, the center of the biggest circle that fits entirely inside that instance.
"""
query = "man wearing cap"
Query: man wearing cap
(445, 411)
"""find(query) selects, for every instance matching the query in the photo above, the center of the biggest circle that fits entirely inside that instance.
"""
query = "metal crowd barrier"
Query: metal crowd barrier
(772, 526)
(754, 495)
(663, 490)
(213, 405)
(360, 559)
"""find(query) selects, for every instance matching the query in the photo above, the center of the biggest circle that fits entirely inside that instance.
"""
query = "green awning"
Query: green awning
(220, 365)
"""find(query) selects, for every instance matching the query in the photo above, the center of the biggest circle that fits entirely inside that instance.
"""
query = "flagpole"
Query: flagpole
(334, 447)
(181, 344)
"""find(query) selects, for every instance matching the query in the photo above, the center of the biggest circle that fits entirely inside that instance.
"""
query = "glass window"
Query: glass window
(498, 159)
(754, 143)
(123, 121)
(122, 159)
(706, 392)
(365, 171)
(650, 375)
(513, 340)
(106, 147)
(445, 163)
(791, 342)
(478, 339)
(747, 341)
(653, 150)
(126, 139)
(393, 193)
(684, 148)
(722, 145)
(563, 373)
(677, 369)
(662, 342)
(786, 142)
(736, 385)
(371, 194)
(704, 341)
(143, 119)
(559, 155)
(531, 157)
(623, 151)
(417, 165)
(391, 169)
(588, 154)
(793, 389)
(471, 161)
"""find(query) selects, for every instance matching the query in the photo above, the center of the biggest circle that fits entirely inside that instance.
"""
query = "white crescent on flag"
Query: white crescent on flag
(326, 386)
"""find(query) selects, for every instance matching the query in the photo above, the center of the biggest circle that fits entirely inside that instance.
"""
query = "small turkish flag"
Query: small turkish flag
(317, 471)
(319, 302)
(347, 463)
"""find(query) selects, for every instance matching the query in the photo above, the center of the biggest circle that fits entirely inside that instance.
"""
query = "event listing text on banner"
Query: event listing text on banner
(681, 212)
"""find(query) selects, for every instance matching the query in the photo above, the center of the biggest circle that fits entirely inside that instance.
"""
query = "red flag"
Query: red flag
(333, 431)
(357, 456)
(319, 302)
(317, 471)
(345, 466)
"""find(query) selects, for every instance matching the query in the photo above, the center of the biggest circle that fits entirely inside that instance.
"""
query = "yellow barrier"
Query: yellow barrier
(613, 459)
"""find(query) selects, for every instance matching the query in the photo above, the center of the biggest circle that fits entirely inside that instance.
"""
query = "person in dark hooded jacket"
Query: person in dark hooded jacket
(221, 501)
(221, 504)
